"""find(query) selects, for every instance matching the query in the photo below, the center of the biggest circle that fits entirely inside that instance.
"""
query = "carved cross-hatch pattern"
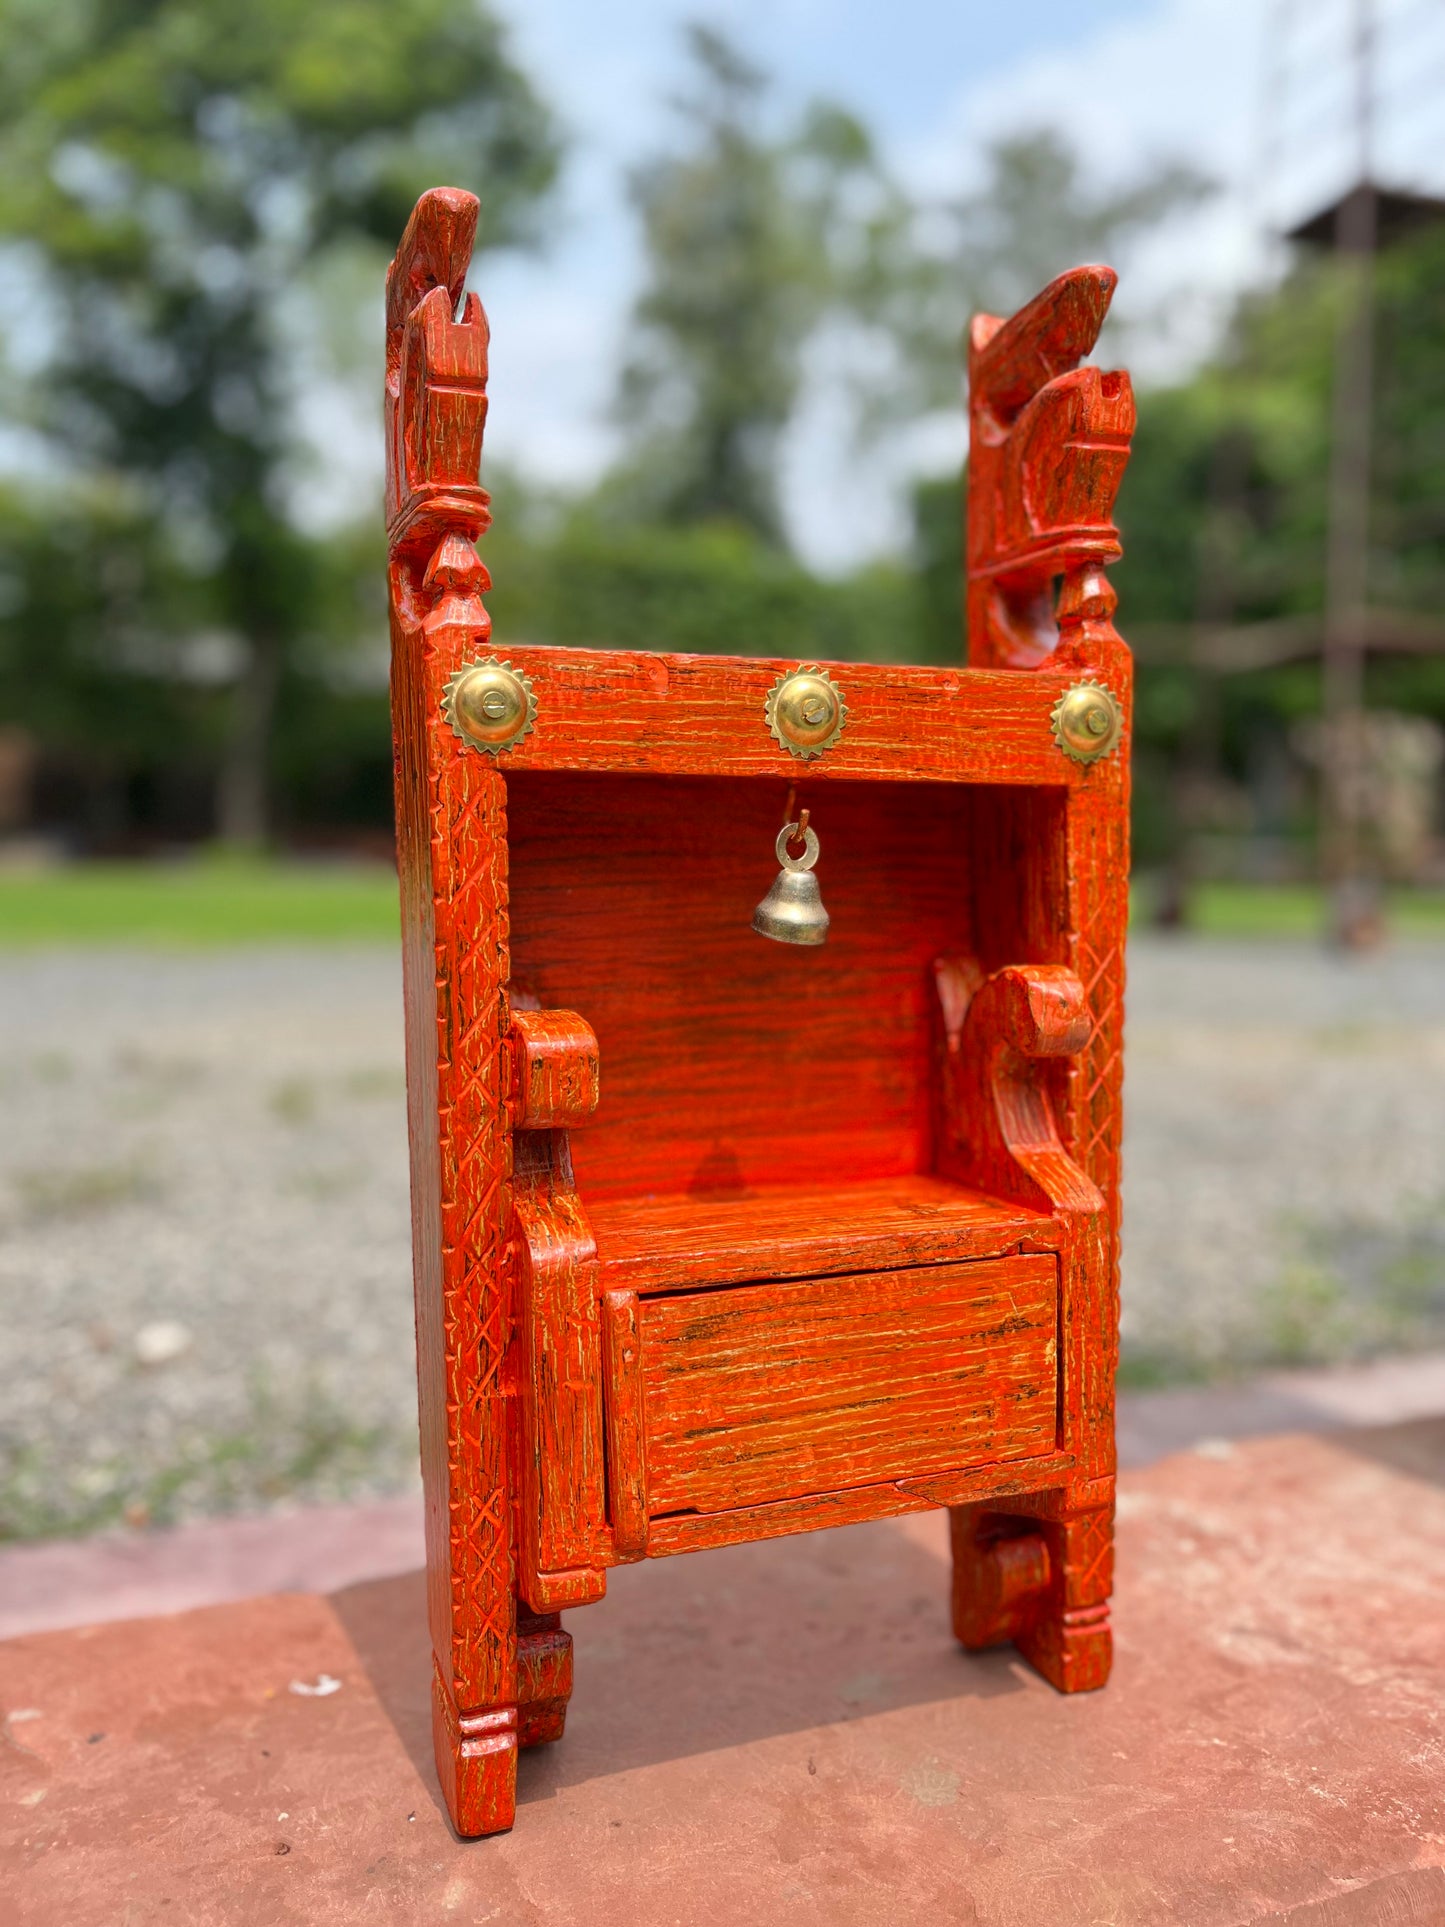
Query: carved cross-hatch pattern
(1095, 1093)
(1097, 920)
(1089, 1574)
(1098, 1108)
(469, 876)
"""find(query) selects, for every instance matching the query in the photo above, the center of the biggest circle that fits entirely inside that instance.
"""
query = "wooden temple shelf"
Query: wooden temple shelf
(716, 1237)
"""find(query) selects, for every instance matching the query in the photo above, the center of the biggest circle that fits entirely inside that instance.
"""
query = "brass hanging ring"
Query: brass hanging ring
(790, 833)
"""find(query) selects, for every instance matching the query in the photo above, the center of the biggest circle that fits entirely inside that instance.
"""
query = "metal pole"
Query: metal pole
(1354, 896)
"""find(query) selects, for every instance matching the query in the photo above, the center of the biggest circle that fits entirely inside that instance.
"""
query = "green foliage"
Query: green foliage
(1272, 912)
(1224, 507)
(938, 507)
(115, 659)
(87, 598)
(712, 589)
(751, 237)
(988, 252)
(1224, 512)
(1034, 215)
(179, 173)
(196, 189)
(1409, 508)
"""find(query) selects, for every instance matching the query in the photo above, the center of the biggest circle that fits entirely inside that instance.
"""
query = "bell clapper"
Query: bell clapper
(792, 911)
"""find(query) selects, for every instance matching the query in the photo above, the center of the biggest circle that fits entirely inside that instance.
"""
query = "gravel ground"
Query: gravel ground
(204, 1250)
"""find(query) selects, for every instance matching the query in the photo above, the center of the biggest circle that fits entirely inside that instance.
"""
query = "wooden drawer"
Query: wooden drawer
(755, 1393)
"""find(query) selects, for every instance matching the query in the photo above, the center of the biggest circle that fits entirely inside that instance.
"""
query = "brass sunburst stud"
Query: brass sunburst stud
(1088, 721)
(490, 705)
(806, 711)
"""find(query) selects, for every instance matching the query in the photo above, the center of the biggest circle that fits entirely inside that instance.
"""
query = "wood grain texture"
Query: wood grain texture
(1001, 1576)
(562, 1479)
(716, 1239)
(1048, 447)
(452, 857)
(626, 1410)
(1039, 1574)
(1068, 1639)
(544, 1678)
(729, 1063)
(804, 1230)
(697, 1531)
(768, 1392)
(1048, 442)
(637, 714)
(556, 1078)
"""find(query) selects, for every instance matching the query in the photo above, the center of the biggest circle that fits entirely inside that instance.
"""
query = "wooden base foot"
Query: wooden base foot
(544, 1677)
(1041, 1581)
(1073, 1651)
(476, 1756)
(476, 1749)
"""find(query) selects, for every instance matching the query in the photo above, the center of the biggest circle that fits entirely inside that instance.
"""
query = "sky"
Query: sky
(1254, 93)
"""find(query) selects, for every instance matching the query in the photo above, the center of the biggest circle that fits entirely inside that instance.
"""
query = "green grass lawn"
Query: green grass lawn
(1298, 910)
(218, 901)
(210, 901)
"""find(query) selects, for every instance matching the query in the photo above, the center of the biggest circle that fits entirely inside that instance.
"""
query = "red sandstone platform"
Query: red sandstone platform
(785, 1733)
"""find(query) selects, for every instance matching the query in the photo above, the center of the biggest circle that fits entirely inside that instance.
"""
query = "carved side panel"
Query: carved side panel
(1049, 441)
(469, 871)
(451, 809)
(1093, 1122)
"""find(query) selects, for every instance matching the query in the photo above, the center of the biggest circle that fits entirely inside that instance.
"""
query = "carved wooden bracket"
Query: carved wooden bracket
(626, 1424)
(555, 1080)
(997, 1128)
(562, 1545)
(1048, 442)
(556, 1086)
(1002, 1572)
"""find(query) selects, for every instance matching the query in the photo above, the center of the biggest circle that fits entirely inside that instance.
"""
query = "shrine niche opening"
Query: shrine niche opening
(757, 1098)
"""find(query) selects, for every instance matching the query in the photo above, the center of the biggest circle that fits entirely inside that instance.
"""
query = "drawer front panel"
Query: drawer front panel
(762, 1392)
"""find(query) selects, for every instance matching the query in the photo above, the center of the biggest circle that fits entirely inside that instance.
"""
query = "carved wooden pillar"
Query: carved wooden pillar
(452, 855)
(1049, 441)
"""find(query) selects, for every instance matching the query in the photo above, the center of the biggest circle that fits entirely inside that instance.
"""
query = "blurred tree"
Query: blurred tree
(925, 274)
(1224, 516)
(751, 238)
(580, 577)
(177, 169)
(98, 568)
(1033, 215)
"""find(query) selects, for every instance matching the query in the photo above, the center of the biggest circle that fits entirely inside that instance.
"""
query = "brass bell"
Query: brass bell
(792, 911)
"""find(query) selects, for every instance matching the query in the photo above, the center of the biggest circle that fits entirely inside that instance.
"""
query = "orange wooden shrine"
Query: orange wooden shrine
(715, 1237)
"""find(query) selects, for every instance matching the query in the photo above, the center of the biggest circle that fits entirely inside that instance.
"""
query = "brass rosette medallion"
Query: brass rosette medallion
(1088, 721)
(806, 711)
(490, 705)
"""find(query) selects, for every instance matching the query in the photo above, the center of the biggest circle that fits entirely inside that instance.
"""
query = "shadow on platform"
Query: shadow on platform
(713, 1650)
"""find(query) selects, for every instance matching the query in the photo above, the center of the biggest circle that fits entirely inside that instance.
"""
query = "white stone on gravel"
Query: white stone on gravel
(161, 1341)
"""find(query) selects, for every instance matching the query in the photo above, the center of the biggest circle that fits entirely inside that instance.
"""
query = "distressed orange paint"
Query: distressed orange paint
(717, 1238)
